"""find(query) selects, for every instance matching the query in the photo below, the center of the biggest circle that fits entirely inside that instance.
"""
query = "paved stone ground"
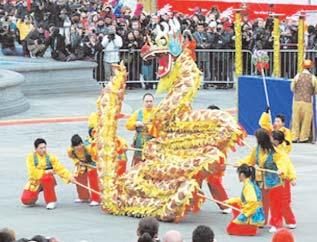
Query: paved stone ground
(74, 222)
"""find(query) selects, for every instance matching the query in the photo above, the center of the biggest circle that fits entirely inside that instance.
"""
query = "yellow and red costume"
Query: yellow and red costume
(92, 120)
(85, 173)
(41, 178)
(290, 176)
(265, 123)
(252, 214)
(142, 135)
(216, 187)
(121, 145)
(271, 184)
(121, 148)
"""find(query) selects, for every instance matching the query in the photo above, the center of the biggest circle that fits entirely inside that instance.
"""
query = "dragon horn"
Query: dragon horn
(177, 24)
(172, 26)
(165, 28)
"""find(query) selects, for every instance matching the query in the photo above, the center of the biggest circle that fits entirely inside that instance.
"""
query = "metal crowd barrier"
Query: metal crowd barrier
(288, 62)
(217, 66)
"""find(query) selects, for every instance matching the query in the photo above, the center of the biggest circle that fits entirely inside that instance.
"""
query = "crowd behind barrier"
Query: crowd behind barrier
(70, 30)
(217, 66)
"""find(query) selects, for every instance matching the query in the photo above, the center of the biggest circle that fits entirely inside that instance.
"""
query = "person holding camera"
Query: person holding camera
(36, 42)
(7, 40)
(58, 46)
(111, 44)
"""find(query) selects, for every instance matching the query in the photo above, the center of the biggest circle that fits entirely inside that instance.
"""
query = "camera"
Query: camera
(111, 36)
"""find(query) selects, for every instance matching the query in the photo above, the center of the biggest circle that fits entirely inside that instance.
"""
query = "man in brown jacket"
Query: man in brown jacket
(304, 86)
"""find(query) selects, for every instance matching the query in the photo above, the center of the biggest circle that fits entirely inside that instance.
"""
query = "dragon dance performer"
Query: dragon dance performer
(83, 156)
(92, 121)
(304, 86)
(121, 144)
(41, 167)
(290, 179)
(279, 125)
(250, 203)
(264, 155)
(138, 122)
(215, 184)
(121, 148)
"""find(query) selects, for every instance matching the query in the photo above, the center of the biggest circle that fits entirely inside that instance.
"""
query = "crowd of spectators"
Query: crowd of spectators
(148, 231)
(85, 29)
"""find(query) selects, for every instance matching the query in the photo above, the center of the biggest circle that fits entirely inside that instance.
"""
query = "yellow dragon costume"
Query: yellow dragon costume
(187, 142)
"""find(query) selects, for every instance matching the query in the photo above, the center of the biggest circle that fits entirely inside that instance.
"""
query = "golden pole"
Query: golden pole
(238, 44)
(277, 55)
(238, 55)
(301, 44)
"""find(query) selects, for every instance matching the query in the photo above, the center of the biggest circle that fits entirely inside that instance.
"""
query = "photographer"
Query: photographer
(57, 44)
(111, 44)
(36, 42)
(7, 40)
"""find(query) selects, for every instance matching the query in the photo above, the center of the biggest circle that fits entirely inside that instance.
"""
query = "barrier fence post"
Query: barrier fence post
(238, 55)
(277, 56)
(301, 44)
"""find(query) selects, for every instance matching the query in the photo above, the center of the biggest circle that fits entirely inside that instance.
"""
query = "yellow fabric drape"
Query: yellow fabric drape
(238, 44)
(301, 44)
(238, 50)
(277, 57)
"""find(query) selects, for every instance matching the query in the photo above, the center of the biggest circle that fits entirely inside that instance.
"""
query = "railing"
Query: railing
(217, 66)
(288, 62)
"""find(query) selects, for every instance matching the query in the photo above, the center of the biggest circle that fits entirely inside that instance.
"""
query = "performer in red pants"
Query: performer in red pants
(218, 192)
(290, 179)
(86, 172)
(245, 223)
(215, 185)
(266, 156)
(41, 168)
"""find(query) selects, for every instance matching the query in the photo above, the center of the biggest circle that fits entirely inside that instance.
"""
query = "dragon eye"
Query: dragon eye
(163, 41)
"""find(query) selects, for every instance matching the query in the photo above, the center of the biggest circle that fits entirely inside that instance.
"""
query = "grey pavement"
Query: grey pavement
(72, 222)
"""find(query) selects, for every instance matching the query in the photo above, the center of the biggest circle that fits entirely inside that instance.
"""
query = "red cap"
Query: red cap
(283, 235)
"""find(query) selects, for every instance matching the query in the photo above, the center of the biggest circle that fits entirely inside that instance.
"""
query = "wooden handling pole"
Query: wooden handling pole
(220, 202)
(88, 188)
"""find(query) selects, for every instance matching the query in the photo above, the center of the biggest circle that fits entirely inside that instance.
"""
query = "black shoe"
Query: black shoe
(304, 142)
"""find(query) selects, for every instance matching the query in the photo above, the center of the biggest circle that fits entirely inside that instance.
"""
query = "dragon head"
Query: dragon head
(165, 43)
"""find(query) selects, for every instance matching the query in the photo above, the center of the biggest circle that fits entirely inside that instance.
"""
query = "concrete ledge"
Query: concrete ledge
(12, 100)
(46, 76)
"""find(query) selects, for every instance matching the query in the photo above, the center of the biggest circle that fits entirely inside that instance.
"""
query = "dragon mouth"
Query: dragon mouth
(164, 65)
(164, 58)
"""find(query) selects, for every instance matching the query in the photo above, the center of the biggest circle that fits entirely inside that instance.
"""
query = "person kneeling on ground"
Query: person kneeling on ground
(36, 42)
(41, 167)
(251, 215)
